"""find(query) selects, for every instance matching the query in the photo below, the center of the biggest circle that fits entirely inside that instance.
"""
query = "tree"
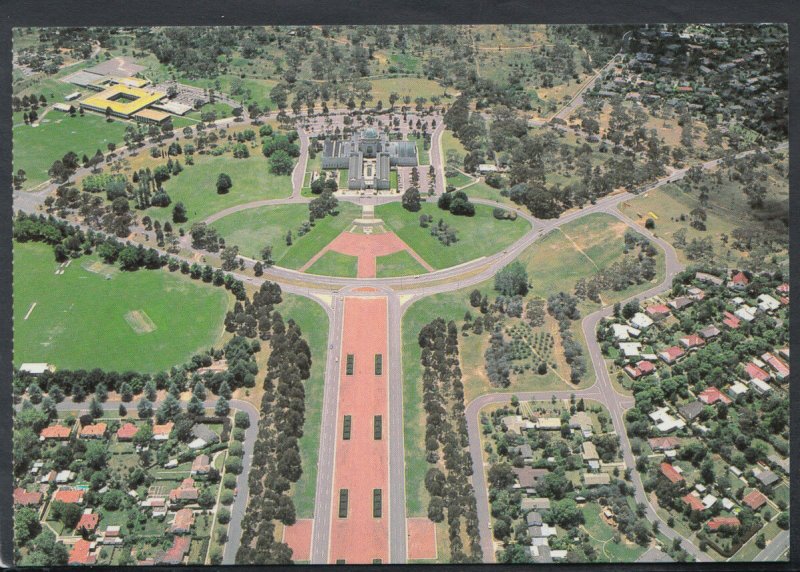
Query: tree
(224, 183)
(26, 525)
(222, 408)
(266, 255)
(241, 420)
(411, 200)
(195, 407)
(95, 408)
(168, 409)
(501, 476)
(144, 409)
(179, 213)
(281, 163)
(512, 280)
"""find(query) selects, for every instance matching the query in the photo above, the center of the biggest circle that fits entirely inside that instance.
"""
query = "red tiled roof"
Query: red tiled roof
(24, 498)
(754, 500)
(694, 502)
(776, 363)
(80, 553)
(127, 431)
(783, 288)
(692, 341)
(68, 496)
(186, 491)
(663, 443)
(719, 521)
(164, 429)
(634, 372)
(645, 367)
(657, 310)
(756, 372)
(669, 471)
(711, 395)
(731, 321)
(56, 432)
(176, 552)
(740, 278)
(672, 353)
(96, 430)
(183, 520)
(88, 522)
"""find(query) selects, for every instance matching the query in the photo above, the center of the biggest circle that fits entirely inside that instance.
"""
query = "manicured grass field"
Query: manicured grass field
(449, 141)
(313, 322)
(221, 109)
(35, 148)
(324, 231)
(422, 152)
(481, 190)
(258, 89)
(472, 233)
(398, 264)
(196, 186)
(335, 264)
(79, 318)
(459, 180)
(251, 230)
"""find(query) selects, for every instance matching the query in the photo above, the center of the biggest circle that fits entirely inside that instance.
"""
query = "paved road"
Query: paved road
(299, 171)
(775, 548)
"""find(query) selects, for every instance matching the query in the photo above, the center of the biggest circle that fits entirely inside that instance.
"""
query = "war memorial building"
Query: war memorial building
(369, 157)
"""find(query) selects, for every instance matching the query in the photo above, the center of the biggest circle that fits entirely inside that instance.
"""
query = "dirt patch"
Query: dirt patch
(140, 322)
(298, 538)
(421, 539)
(98, 267)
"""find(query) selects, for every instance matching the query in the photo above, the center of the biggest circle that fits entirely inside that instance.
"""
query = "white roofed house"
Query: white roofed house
(767, 303)
(641, 321)
(36, 368)
(624, 332)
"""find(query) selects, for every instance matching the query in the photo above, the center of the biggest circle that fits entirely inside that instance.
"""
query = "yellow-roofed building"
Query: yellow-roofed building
(122, 100)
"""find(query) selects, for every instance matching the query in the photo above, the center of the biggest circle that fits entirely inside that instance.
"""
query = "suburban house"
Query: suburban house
(25, 498)
(58, 432)
(709, 332)
(596, 479)
(641, 321)
(664, 443)
(694, 502)
(767, 478)
(754, 500)
(624, 332)
(767, 303)
(711, 395)
(755, 372)
(738, 281)
(718, 522)
(692, 410)
(161, 432)
(184, 519)
(731, 321)
(641, 368)
(681, 302)
(658, 311)
(88, 521)
(671, 473)
(186, 491)
(777, 364)
(96, 431)
(200, 465)
(81, 555)
(692, 341)
(671, 355)
(529, 477)
(177, 552)
(666, 422)
(69, 496)
(708, 278)
(127, 432)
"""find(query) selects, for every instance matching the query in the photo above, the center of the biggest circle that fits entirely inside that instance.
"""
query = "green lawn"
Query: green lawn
(80, 312)
(601, 535)
(253, 229)
(481, 190)
(324, 231)
(196, 186)
(459, 180)
(35, 148)
(472, 233)
(335, 264)
(398, 264)
(422, 152)
(393, 179)
(449, 142)
(313, 322)
(221, 109)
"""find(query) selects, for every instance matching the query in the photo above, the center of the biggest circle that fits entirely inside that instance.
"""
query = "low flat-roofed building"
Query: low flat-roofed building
(151, 116)
(121, 100)
(172, 107)
(596, 479)
(83, 78)
(62, 107)
(35, 368)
